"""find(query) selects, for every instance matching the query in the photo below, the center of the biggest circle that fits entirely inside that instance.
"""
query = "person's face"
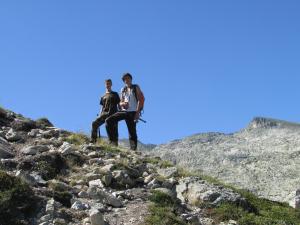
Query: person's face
(108, 85)
(127, 80)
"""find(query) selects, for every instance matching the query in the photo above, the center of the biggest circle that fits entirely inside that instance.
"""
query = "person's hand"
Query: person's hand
(137, 116)
(124, 105)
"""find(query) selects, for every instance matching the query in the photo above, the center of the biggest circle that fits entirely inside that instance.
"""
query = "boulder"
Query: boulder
(12, 136)
(96, 217)
(193, 189)
(4, 152)
(96, 183)
(33, 150)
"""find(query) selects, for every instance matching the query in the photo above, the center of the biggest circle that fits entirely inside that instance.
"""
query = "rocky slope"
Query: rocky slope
(264, 157)
(49, 176)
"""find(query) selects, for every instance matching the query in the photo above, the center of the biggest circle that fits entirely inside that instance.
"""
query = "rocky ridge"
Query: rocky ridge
(262, 158)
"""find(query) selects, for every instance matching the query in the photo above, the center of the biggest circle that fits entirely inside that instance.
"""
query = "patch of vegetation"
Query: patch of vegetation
(166, 164)
(163, 210)
(74, 160)
(49, 165)
(77, 138)
(17, 200)
(63, 197)
(267, 212)
(43, 122)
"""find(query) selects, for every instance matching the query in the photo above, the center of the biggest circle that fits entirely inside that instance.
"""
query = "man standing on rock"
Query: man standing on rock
(131, 105)
(109, 104)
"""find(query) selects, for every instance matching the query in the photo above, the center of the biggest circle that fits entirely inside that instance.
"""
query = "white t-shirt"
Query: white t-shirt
(129, 97)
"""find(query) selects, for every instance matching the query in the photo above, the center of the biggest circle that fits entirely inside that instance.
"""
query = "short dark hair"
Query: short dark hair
(108, 80)
(126, 75)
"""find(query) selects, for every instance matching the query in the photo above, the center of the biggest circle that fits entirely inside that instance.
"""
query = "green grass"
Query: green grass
(77, 139)
(163, 210)
(272, 213)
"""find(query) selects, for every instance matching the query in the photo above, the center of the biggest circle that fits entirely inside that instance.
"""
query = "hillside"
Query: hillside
(50, 176)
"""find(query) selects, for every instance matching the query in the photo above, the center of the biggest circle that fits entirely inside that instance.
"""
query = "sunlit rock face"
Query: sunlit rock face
(264, 157)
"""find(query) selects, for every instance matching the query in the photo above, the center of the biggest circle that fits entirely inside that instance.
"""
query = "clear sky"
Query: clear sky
(203, 65)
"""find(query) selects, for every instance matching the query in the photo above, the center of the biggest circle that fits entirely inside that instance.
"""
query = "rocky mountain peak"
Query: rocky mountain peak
(264, 122)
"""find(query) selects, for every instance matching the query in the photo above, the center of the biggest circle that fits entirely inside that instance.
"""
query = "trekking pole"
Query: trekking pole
(98, 129)
(144, 121)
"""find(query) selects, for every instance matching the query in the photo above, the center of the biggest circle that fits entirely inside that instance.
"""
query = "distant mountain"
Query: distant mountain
(264, 157)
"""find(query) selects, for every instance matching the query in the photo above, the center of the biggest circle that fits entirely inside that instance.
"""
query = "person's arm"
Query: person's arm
(118, 101)
(101, 101)
(140, 103)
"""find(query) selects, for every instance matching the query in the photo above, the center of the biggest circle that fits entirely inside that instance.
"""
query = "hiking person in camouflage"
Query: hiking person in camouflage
(131, 105)
(109, 104)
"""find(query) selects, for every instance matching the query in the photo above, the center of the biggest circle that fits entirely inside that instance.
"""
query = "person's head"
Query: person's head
(127, 79)
(108, 84)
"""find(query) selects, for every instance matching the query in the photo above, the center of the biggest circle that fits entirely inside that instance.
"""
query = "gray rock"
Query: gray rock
(96, 217)
(78, 205)
(154, 184)
(83, 194)
(96, 183)
(107, 179)
(168, 172)
(8, 164)
(67, 148)
(12, 136)
(33, 150)
(107, 198)
(4, 152)
(106, 169)
(33, 133)
(50, 133)
(122, 178)
(166, 191)
(26, 177)
(192, 190)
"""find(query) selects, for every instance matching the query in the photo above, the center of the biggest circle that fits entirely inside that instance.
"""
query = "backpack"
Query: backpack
(134, 86)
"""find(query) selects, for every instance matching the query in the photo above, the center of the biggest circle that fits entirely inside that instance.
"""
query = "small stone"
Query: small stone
(83, 194)
(106, 169)
(96, 217)
(96, 183)
(80, 206)
(107, 179)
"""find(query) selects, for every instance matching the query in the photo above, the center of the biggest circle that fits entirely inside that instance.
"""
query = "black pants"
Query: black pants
(112, 128)
(96, 124)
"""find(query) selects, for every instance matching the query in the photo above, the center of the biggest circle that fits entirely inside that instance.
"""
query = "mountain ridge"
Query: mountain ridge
(254, 158)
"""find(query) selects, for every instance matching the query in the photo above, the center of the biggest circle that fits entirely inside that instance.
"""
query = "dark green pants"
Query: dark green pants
(112, 127)
(96, 124)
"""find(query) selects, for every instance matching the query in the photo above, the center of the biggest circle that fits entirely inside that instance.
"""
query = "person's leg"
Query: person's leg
(111, 124)
(131, 125)
(95, 125)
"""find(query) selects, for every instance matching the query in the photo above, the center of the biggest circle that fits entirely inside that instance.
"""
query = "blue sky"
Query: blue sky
(203, 65)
